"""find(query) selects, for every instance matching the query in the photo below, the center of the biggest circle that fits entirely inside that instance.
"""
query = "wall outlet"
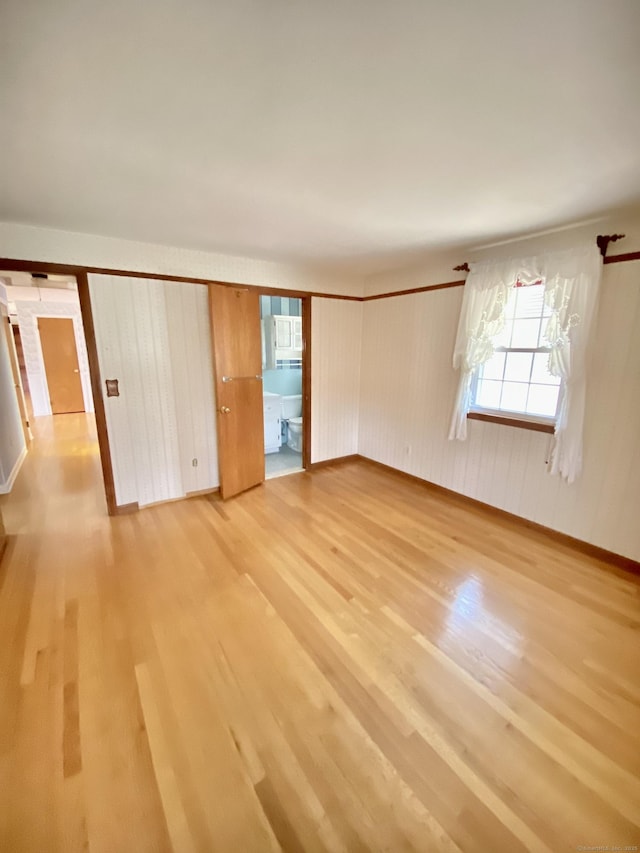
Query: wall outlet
(194, 462)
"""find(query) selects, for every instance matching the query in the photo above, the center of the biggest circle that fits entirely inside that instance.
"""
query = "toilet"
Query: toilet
(292, 417)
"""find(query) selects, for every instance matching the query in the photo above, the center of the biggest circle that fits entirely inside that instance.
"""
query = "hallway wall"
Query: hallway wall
(3, 536)
(12, 443)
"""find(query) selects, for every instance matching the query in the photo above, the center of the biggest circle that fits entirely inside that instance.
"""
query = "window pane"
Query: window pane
(525, 333)
(488, 394)
(530, 301)
(504, 338)
(514, 396)
(520, 382)
(540, 372)
(543, 400)
(518, 367)
(494, 368)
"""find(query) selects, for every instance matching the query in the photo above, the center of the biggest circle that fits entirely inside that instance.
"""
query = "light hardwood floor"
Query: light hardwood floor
(340, 660)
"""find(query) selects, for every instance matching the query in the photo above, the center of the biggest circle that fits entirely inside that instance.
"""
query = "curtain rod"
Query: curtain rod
(602, 242)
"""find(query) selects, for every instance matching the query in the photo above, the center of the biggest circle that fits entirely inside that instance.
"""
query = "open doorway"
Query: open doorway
(46, 350)
(249, 372)
(282, 372)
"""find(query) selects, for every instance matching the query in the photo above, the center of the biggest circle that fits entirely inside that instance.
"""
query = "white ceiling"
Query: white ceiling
(25, 279)
(350, 132)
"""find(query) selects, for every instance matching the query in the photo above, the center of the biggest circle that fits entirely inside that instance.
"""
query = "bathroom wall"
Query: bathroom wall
(286, 380)
(287, 305)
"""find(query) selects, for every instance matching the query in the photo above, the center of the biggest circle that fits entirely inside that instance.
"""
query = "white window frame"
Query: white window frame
(510, 414)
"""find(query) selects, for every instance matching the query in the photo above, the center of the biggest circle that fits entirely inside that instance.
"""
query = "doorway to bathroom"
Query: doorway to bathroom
(283, 371)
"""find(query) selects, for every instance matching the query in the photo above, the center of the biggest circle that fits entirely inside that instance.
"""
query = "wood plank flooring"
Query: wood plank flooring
(333, 661)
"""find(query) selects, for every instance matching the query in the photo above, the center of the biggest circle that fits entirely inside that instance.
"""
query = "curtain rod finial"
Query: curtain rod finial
(462, 267)
(603, 240)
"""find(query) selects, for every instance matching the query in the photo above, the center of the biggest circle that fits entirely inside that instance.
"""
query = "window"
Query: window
(516, 379)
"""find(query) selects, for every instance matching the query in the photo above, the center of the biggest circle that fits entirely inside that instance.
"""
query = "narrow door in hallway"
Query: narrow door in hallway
(60, 355)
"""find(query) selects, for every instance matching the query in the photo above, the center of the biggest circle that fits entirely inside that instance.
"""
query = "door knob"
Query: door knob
(224, 410)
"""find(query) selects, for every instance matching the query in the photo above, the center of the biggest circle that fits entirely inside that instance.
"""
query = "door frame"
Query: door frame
(81, 274)
(305, 300)
(17, 378)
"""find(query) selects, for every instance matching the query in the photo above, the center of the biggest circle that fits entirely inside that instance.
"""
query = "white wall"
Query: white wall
(154, 337)
(335, 377)
(25, 242)
(382, 385)
(407, 392)
(58, 303)
(438, 267)
(12, 444)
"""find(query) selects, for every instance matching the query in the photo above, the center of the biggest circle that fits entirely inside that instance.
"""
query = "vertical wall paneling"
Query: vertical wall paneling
(190, 346)
(155, 421)
(115, 340)
(407, 392)
(335, 377)
(154, 338)
(28, 313)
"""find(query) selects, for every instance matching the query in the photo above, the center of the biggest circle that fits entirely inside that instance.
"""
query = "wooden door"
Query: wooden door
(237, 361)
(58, 342)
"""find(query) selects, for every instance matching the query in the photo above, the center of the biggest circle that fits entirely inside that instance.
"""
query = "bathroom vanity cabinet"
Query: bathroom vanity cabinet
(272, 409)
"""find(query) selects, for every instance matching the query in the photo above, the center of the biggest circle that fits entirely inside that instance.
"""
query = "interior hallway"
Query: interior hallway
(341, 660)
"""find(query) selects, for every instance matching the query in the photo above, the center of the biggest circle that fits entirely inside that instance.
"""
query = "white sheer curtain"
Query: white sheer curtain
(571, 279)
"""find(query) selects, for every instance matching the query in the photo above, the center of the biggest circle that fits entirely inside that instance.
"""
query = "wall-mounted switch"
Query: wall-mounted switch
(112, 387)
(194, 462)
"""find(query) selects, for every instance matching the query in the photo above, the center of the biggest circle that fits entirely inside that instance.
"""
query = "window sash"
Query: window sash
(516, 414)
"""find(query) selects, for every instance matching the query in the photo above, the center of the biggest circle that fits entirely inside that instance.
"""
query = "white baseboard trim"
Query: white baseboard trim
(5, 488)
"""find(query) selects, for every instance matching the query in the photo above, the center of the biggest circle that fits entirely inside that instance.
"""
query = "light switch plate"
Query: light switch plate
(112, 388)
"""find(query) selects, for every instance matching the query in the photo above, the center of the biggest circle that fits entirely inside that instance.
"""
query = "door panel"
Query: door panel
(237, 357)
(58, 343)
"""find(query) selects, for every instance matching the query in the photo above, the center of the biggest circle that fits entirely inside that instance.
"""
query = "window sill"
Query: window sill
(521, 423)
